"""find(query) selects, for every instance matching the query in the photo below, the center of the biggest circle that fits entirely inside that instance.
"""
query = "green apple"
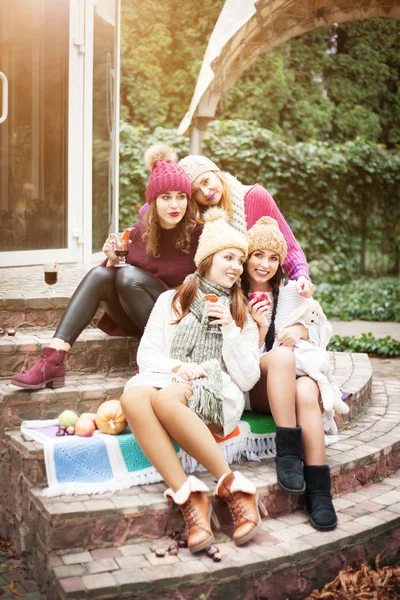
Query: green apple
(67, 418)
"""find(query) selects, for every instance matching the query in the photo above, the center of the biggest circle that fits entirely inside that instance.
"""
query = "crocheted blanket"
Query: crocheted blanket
(106, 463)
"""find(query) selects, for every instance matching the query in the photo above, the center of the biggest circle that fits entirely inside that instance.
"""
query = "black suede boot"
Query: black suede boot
(318, 498)
(289, 459)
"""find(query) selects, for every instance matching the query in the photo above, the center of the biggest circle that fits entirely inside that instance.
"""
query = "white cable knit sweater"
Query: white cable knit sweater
(239, 362)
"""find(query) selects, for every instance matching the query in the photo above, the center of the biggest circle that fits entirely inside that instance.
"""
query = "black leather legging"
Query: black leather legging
(128, 293)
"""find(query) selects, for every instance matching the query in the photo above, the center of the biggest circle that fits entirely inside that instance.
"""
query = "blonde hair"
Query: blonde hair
(225, 202)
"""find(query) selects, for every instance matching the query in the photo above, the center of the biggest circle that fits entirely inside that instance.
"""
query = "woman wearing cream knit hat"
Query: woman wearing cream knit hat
(198, 354)
(245, 205)
(294, 403)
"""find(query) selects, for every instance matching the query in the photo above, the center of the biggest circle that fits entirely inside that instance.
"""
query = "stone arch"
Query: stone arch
(271, 23)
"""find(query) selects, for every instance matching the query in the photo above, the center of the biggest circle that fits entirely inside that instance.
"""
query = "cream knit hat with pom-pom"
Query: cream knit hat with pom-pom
(218, 235)
(266, 235)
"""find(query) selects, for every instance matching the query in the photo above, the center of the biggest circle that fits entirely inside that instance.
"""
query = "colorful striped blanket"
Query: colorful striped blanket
(106, 463)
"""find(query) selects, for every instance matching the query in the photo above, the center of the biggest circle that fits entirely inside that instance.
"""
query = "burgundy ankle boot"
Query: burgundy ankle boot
(48, 371)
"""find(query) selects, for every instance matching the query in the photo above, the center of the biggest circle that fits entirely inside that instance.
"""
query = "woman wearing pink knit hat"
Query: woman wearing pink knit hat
(161, 254)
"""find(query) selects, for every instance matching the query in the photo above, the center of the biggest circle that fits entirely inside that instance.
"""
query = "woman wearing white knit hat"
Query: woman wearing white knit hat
(245, 205)
(192, 375)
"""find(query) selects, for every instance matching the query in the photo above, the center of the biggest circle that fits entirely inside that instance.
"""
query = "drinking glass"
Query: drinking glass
(121, 249)
(50, 276)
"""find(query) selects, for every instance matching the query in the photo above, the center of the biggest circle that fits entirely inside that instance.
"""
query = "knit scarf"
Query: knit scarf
(237, 196)
(195, 340)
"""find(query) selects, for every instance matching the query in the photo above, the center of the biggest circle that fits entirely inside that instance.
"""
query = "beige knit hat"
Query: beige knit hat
(218, 235)
(195, 165)
(265, 234)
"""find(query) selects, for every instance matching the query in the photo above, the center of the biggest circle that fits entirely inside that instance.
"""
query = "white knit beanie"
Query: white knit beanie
(195, 165)
(218, 235)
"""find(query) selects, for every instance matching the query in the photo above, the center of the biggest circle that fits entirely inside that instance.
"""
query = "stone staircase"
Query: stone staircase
(100, 546)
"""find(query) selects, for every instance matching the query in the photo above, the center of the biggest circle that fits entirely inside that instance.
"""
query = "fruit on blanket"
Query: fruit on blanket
(110, 418)
(85, 427)
(259, 297)
(91, 416)
(67, 418)
(70, 430)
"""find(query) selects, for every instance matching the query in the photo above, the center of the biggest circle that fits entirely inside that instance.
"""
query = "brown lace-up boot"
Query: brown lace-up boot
(197, 511)
(242, 500)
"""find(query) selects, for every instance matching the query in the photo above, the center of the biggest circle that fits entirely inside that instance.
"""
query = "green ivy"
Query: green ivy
(384, 347)
(364, 298)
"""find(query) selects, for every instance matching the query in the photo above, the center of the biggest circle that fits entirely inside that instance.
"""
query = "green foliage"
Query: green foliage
(384, 347)
(333, 83)
(364, 298)
(338, 82)
(162, 48)
(331, 194)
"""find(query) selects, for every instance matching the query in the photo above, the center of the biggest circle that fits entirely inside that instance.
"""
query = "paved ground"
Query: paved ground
(356, 328)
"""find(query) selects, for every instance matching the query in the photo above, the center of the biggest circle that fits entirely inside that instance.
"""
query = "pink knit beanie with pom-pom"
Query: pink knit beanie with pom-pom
(166, 175)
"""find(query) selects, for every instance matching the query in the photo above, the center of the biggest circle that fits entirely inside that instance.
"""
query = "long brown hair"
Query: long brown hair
(275, 282)
(151, 229)
(226, 201)
(186, 293)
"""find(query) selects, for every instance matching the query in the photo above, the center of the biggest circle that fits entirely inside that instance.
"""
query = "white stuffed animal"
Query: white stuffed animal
(312, 360)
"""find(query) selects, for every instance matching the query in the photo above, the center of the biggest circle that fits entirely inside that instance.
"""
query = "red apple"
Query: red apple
(260, 297)
(91, 416)
(84, 427)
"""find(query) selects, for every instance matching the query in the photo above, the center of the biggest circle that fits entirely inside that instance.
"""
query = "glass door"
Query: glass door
(105, 121)
(34, 58)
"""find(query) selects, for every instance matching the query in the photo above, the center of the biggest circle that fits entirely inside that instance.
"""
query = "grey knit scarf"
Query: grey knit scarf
(195, 340)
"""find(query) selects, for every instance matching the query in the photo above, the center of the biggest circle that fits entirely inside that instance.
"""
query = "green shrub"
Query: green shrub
(367, 343)
(363, 298)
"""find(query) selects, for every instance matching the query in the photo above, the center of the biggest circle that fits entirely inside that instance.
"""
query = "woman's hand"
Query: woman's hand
(109, 250)
(291, 335)
(305, 287)
(189, 371)
(221, 312)
(258, 311)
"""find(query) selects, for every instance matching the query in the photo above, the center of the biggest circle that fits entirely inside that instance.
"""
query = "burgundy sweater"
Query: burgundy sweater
(259, 203)
(170, 268)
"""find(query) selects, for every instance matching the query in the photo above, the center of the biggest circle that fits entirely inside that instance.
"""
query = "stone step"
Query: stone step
(353, 373)
(286, 559)
(93, 352)
(82, 393)
(368, 450)
(24, 297)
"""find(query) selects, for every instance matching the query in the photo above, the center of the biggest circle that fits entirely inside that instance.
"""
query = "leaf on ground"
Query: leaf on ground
(14, 590)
